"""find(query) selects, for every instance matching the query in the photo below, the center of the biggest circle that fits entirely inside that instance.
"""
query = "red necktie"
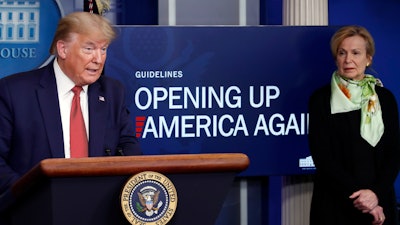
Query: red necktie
(78, 137)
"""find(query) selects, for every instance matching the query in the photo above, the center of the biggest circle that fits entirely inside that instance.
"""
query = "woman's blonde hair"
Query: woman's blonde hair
(350, 31)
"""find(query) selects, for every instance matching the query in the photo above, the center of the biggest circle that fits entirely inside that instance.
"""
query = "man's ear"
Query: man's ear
(62, 49)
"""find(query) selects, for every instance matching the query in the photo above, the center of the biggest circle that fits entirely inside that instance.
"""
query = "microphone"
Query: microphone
(120, 152)
(108, 152)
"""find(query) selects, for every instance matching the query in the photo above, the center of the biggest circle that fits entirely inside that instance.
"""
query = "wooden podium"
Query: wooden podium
(87, 191)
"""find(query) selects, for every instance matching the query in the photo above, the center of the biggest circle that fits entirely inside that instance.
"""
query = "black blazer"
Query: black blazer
(346, 163)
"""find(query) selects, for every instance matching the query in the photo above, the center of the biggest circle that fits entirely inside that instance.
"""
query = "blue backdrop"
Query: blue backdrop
(35, 24)
(224, 89)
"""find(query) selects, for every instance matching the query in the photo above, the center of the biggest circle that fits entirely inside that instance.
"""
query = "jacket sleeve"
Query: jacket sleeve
(389, 155)
(7, 175)
(128, 141)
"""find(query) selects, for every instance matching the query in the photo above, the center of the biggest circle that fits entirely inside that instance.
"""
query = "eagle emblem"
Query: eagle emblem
(146, 200)
(149, 198)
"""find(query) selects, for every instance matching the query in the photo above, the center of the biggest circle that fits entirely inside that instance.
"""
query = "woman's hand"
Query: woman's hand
(379, 216)
(364, 200)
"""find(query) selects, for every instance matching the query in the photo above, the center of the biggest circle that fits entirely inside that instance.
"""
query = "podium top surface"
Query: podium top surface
(130, 165)
(127, 165)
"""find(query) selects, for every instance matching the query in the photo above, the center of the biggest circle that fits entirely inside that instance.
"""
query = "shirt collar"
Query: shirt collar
(64, 83)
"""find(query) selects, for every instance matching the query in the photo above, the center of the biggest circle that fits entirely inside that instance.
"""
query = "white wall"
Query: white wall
(209, 12)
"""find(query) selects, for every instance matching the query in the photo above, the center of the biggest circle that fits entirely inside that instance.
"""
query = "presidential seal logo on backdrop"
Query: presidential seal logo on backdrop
(149, 198)
(26, 31)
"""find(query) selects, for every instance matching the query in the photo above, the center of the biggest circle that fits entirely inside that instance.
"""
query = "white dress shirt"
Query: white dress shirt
(65, 95)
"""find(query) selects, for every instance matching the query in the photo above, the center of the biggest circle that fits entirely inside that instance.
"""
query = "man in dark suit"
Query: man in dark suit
(35, 105)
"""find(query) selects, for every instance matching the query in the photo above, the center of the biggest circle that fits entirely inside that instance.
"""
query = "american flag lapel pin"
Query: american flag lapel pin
(102, 99)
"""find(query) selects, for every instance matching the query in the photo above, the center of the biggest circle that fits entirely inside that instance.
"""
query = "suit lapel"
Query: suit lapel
(49, 106)
(97, 118)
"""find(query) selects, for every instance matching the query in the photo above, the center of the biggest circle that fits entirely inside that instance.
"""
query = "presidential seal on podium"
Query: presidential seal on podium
(149, 198)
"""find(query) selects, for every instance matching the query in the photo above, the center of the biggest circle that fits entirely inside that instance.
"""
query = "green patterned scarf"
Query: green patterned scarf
(349, 95)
